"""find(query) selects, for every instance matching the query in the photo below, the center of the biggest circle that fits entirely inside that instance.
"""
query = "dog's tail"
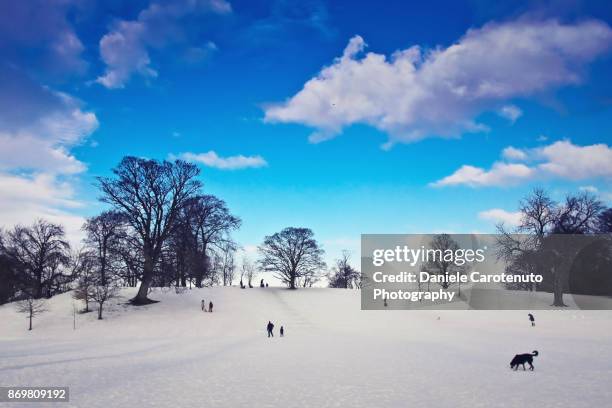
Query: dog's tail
(535, 353)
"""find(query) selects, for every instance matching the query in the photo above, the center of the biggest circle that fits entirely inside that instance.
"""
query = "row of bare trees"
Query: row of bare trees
(160, 230)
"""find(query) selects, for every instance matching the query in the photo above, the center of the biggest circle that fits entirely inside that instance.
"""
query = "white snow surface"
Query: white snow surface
(171, 354)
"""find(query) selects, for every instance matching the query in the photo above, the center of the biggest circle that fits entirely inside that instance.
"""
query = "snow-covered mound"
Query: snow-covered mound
(171, 354)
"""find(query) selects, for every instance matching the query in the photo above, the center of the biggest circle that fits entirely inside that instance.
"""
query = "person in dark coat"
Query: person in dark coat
(261, 284)
(270, 327)
(203, 305)
(531, 319)
(282, 331)
(210, 305)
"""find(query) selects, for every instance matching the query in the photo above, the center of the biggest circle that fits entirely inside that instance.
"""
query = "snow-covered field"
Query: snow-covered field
(171, 354)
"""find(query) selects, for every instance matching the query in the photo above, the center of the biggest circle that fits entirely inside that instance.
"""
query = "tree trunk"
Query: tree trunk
(147, 277)
(30, 322)
(558, 289)
(100, 311)
(183, 277)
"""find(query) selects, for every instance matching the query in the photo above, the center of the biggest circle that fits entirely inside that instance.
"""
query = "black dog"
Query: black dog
(522, 359)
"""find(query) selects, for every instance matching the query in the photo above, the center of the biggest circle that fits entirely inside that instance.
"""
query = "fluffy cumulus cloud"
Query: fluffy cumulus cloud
(38, 126)
(125, 48)
(561, 159)
(212, 159)
(417, 93)
(512, 153)
(497, 215)
(498, 174)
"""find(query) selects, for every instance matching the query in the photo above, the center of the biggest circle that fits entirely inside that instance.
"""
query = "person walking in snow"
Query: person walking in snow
(261, 283)
(282, 331)
(531, 319)
(203, 305)
(210, 305)
(270, 327)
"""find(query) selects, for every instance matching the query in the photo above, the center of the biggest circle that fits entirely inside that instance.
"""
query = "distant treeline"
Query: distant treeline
(159, 230)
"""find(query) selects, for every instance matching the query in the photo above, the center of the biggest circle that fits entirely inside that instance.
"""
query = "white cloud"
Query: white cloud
(415, 94)
(510, 112)
(561, 159)
(589, 189)
(44, 143)
(498, 215)
(512, 153)
(212, 159)
(125, 49)
(25, 198)
(566, 160)
(499, 174)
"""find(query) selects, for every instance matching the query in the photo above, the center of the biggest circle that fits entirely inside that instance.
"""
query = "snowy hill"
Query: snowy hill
(333, 355)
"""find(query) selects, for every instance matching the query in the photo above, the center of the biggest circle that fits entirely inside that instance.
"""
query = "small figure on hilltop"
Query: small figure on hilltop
(282, 331)
(203, 305)
(270, 327)
(210, 306)
(531, 319)
(261, 284)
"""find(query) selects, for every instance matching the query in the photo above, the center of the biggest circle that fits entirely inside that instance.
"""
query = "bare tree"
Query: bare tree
(209, 224)
(103, 238)
(150, 195)
(224, 260)
(544, 249)
(291, 254)
(248, 270)
(84, 268)
(130, 260)
(439, 263)
(43, 254)
(343, 275)
(32, 307)
(538, 213)
(604, 222)
(579, 214)
(10, 273)
(101, 293)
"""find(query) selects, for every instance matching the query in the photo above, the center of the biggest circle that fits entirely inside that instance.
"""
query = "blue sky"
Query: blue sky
(345, 117)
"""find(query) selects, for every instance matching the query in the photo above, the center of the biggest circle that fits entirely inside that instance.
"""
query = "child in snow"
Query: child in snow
(210, 305)
(531, 319)
(282, 331)
(270, 327)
